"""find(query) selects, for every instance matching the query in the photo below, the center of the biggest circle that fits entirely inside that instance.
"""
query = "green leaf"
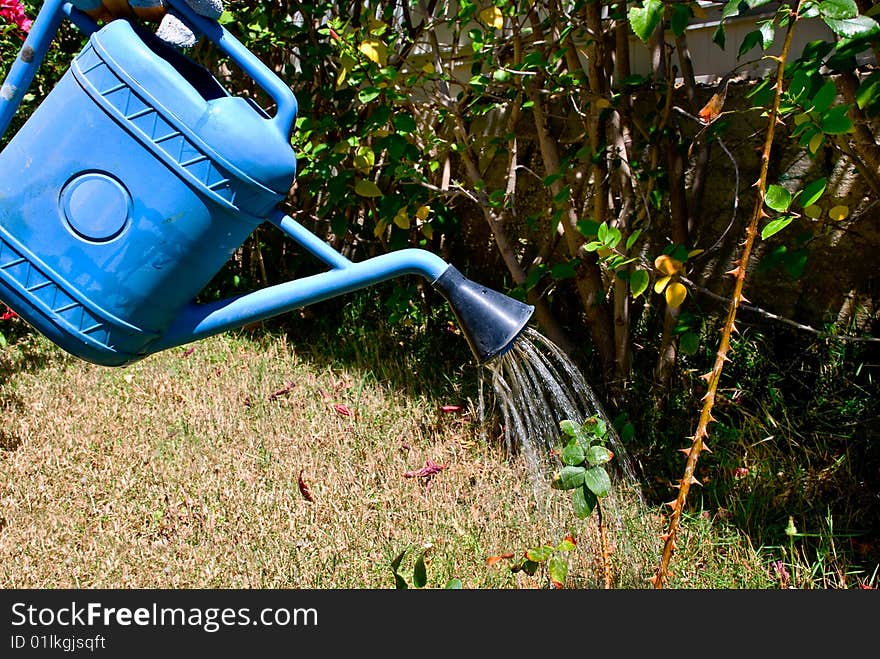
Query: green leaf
(557, 570)
(529, 567)
(850, 28)
(535, 275)
(454, 584)
(839, 9)
(734, 7)
(775, 226)
(399, 582)
(614, 237)
(420, 573)
(565, 545)
(599, 455)
(633, 237)
(595, 425)
(638, 282)
(645, 19)
(597, 480)
(689, 343)
(718, 36)
(569, 427)
(777, 198)
(569, 477)
(749, 41)
(368, 94)
(824, 97)
(768, 34)
(573, 453)
(868, 93)
(539, 554)
(367, 188)
(681, 16)
(588, 228)
(836, 121)
(812, 192)
(583, 501)
(567, 270)
(404, 123)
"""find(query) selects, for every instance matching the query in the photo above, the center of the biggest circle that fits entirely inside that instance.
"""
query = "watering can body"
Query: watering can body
(138, 177)
(127, 190)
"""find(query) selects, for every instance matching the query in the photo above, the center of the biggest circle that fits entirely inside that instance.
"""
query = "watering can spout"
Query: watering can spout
(490, 320)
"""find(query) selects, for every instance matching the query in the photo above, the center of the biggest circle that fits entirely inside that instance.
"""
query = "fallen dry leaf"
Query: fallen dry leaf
(343, 410)
(304, 489)
(286, 389)
(492, 560)
(427, 472)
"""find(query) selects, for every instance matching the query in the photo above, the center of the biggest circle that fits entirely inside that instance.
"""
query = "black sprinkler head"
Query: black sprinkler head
(490, 320)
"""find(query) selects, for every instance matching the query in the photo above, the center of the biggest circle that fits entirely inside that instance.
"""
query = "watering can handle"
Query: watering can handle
(23, 68)
(285, 100)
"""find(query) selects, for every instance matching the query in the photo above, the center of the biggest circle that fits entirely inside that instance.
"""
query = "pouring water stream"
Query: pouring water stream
(536, 386)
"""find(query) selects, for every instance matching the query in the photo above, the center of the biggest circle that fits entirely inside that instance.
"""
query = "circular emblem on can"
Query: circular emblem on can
(96, 206)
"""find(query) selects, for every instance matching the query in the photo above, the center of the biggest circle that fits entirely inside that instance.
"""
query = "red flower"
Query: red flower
(13, 12)
(9, 314)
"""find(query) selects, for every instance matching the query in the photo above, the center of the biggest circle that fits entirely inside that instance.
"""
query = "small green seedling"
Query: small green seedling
(583, 453)
(419, 573)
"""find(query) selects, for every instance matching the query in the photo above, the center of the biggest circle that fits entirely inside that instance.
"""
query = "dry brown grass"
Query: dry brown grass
(182, 471)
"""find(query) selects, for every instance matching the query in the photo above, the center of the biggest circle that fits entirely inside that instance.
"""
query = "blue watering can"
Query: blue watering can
(138, 177)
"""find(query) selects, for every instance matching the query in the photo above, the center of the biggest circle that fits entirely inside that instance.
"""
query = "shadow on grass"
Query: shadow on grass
(419, 353)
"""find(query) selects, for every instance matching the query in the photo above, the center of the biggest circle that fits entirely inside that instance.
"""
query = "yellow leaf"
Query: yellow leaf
(367, 188)
(814, 211)
(602, 252)
(427, 231)
(602, 103)
(801, 118)
(695, 252)
(374, 50)
(816, 142)
(675, 294)
(375, 25)
(401, 219)
(839, 213)
(364, 159)
(429, 69)
(381, 225)
(668, 265)
(343, 73)
(492, 16)
(660, 284)
(423, 212)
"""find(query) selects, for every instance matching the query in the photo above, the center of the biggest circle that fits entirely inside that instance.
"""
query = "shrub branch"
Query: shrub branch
(698, 444)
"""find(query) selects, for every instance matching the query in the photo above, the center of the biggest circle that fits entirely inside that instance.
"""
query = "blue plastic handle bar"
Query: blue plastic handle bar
(285, 100)
(24, 67)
